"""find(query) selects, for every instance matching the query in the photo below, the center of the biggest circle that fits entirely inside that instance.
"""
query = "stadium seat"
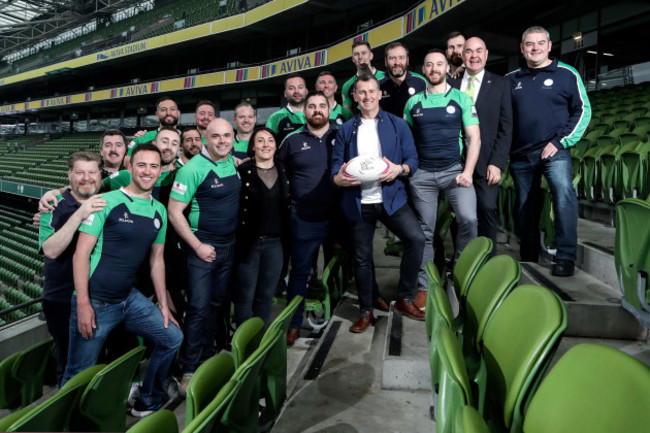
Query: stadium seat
(102, 406)
(475, 254)
(209, 419)
(469, 420)
(10, 419)
(607, 171)
(51, 415)
(518, 345)
(631, 256)
(9, 386)
(590, 175)
(28, 369)
(206, 382)
(163, 421)
(445, 217)
(592, 388)
(274, 370)
(246, 340)
(242, 413)
(323, 300)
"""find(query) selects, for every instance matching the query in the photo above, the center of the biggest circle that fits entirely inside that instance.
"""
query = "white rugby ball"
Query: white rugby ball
(366, 168)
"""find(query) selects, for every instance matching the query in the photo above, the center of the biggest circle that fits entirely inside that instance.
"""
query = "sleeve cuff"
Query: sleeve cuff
(557, 144)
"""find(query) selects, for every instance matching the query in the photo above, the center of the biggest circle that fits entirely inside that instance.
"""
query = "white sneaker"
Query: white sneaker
(182, 388)
(134, 393)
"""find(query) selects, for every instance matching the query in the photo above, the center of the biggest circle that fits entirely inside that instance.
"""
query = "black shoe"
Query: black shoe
(140, 410)
(563, 268)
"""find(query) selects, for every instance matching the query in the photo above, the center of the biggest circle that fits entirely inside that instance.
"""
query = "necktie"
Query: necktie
(470, 87)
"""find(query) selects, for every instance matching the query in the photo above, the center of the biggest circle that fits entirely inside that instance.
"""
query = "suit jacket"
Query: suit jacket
(494, 108)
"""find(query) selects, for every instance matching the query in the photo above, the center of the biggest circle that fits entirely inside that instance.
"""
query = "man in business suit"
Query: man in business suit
(491, 95)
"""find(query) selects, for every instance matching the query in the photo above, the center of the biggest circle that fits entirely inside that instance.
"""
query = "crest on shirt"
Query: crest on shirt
(518, 86)
(339, 121)
(156, 223)
(89, 220)
(305, 146)
(451, 109)
(548, 82)
(125, 218)
(216, 183)
(411, 91)
(418, 113)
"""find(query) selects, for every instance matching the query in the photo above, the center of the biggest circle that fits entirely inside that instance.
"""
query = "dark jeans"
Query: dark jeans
(527, 175)
(486, 210)
(257, 278)
(406, 226)
(57, 317)
(306, 238)
(141, 317)
(207, 292)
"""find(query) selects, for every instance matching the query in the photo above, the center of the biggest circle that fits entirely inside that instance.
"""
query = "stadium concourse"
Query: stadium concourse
(527, 309)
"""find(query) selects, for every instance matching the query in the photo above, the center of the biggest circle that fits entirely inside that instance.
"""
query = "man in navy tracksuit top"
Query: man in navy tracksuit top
(551, 111)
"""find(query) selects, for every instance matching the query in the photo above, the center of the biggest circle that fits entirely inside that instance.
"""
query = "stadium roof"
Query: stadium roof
(26, 22)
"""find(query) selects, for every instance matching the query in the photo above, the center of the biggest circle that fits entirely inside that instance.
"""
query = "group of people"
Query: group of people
(213, 215)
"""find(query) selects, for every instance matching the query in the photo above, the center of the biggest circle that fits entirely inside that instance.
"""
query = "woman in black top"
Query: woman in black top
(264, 209)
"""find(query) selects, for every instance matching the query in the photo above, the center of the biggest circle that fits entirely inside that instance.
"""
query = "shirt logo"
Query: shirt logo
(125, 219)
(451, 109)
(518, 86)
(548, 82)
(179, 188)
(156, 223)
(418, 113)
(305, 146)
(385, 95)
(217, 184)
(339, 121)
(411, 91)
(89, 220)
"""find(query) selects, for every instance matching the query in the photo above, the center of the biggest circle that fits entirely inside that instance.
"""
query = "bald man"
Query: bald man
(208, 182)
(491, 95)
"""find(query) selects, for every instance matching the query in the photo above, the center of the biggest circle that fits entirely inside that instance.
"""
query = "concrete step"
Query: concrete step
(594, 308)
(596, 251)
(406, 354)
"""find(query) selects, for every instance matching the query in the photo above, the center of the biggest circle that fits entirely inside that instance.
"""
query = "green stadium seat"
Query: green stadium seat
(631, 256)
(642, 121)
(209, 419)
(28, 370)
(9, 386)
(590, 175)
(445, 217)
(608, 172)
(630, 169)
(246, 340)
(163, 421)
(323, 300)
(10, 419)
(592, 388)
(475, 254)
(206, 382)
(469, 420)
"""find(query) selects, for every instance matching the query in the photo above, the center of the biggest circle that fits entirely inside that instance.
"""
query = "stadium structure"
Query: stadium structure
(70, 70)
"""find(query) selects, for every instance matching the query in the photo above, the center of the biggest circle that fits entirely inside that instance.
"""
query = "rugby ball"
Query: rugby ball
(366, 168)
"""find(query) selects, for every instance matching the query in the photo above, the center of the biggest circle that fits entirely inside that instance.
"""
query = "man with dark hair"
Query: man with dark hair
(288, 119)
(361, 57)
(245, 120)
(112, 148)
(373, 132)
(191, 145)
(58, 239)
(326, 83)
(130, 229)
(203, 115)
(491, 96)
(551, 111)
(399, 84)
(454, 53)
(306, 155)
(167, 113)
(210, 186)
(439, 117)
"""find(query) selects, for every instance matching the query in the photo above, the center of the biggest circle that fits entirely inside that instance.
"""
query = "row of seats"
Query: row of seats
(487, 362)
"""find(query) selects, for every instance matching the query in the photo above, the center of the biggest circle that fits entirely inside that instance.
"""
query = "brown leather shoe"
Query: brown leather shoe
(292, 336)
(408, 308)
(381, 304)
(420, 300)
(362, 324)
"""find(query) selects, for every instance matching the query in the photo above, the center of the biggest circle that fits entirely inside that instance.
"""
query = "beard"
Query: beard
(456, 60)
(319, 122)
(167, 122)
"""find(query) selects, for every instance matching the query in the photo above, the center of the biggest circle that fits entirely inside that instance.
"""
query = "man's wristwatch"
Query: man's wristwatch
(402, 171)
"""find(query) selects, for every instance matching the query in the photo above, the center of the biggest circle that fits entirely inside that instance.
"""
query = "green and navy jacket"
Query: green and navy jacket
(549, 105)
(284, 121)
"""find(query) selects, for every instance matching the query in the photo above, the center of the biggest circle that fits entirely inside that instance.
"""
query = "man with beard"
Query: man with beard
(210, 186)
(288, 119)
(58, 239)
(493, 101)
(191, 145)
(438, 117)
(245, 120)
(130, 230)
(376, 133)
(361, 57)
(454, 53)
(400, 83)
(306, 155)
(167, 113)
(112, 148)
(203, 115)
(326, 83)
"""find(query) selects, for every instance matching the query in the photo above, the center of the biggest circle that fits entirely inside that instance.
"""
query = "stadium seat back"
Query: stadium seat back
(9, 386)
(206, 382)
(592, 388)
(469, 420)
(454, 386)
(246, 339)
(163, 421)
(475, 254)
(28, 369)
(209, 419)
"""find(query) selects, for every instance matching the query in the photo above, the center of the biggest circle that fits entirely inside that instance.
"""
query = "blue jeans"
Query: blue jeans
(425, 186)
(207, 292)
(257, 277)
(140, 317)
(406, 226)
(527, 176)
(306, 238)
